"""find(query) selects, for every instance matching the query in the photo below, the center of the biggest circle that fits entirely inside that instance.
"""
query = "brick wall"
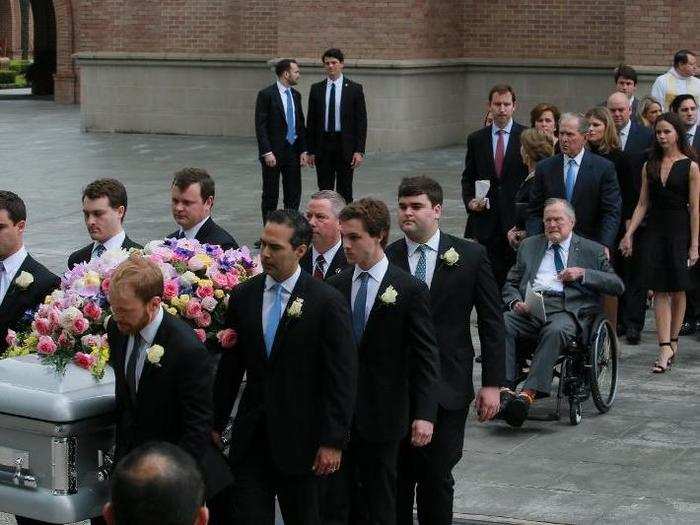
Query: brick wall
(10, 24)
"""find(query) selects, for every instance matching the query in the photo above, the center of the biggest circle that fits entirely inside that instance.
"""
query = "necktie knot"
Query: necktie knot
(99, 250)
(2, 267)
(319, 269)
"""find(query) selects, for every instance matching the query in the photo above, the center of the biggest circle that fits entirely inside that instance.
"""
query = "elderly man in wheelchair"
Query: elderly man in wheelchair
(553, 294)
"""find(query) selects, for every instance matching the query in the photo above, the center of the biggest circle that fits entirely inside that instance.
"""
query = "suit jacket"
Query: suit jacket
(596, 199)
(18, 300)
(639, 139)
(304, 393)
(599, 277)
(173, 402)
(338, 264)
(454, 292)
(398, 358)
(271, 122)
(212, 233)
(479, 165)
(84, 254)
(353, 118)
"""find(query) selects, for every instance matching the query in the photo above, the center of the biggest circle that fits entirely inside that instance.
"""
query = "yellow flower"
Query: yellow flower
(92, 279)
(184, 298)
(172, 311)
(206, 282)
(219, 294)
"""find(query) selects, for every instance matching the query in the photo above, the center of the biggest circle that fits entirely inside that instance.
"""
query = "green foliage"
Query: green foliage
(19, 66)
(7, 77)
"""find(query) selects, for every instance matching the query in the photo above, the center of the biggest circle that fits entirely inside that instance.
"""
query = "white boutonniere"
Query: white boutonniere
(450, 257)
(294, 309)
(389, 296)
(154, 354)
(24, 280)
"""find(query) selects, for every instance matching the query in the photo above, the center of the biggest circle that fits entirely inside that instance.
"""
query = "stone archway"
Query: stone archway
(10, 28)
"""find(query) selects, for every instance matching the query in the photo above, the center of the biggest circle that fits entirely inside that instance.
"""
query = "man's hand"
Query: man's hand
(327, 461)
(488, 402)
(270, 160)
(421, 433)
(521, 308)
(477, 205)
(606, 250)
(303, 160)
(357, 159)
(569, 275)
(310, 160)
(216, 438)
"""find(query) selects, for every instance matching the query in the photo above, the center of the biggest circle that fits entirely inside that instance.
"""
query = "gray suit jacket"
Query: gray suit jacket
(599, 278)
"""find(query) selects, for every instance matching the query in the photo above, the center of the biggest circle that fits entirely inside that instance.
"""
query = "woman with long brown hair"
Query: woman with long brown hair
(670, 193)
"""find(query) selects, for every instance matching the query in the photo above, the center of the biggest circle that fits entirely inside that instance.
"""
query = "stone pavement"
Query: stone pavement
(640, 463)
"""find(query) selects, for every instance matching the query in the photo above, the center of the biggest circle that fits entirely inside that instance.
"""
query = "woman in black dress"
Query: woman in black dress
(670, 193)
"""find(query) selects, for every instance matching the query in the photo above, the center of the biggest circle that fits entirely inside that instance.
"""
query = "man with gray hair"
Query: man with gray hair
(571, 273)
(585, 180)
(326, 256)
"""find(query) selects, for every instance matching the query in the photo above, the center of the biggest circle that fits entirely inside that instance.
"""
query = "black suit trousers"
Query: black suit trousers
(332, 170)
(425, 473)
(257, 481)
(633, 303)
(290, 170)
(501, 255)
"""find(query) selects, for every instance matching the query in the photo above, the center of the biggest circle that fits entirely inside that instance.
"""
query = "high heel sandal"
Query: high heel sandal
(673, 357)
(658, 368)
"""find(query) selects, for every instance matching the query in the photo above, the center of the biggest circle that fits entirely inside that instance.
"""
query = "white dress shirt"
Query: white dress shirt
(506, 136)
(376, 274)
(12, 265)
(546, 278)
(269, 294)
(624, 134)
(431, 255)
(338, 91)
(690, 134)
(148, 333)
(577, 165)
(113, 243)
(328, 256)
(194, 230)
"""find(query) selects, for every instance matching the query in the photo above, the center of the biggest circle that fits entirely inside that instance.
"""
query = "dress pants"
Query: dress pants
(552, 336)
(332, 170)
(501, 255)
(634, 301)
(256, 482)
(287, 166)
(426, 472)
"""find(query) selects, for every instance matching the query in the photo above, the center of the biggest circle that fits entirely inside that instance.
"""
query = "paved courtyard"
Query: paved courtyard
(640, 463)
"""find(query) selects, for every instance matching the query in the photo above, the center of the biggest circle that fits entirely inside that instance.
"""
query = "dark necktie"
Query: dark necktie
(180, 234)
(98, 250)
(422, 266)
(318, 269)
(358, 309)
(331, 110)
(131, 365)
(558, 263)
(500, 154)
(3, 276)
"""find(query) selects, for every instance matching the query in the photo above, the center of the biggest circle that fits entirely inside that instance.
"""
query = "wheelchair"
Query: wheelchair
(587, 367)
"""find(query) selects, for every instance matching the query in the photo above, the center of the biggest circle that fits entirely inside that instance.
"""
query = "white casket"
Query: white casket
(54, 433)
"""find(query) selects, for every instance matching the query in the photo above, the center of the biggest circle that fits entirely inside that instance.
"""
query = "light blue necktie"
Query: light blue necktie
(358, 310)
(570, 179)
(291, 125)
(422, 266)
(273, 318)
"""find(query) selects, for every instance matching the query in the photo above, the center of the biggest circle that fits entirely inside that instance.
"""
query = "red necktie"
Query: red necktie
(318, 269)
(500, 154)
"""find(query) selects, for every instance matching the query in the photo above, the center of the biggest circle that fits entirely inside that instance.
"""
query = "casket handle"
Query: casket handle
(105, 462)
(17, 478)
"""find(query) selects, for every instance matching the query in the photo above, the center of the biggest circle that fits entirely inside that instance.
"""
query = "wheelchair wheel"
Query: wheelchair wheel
(574, 412)
(604, 360)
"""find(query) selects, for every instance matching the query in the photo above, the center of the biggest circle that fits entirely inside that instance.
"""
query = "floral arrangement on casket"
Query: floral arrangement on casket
(71, 324)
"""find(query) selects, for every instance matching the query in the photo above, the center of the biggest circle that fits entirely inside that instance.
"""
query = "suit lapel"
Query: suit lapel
(10, 301)
(574, 252)
(488, 149)
(337, 263)
(277, 101)
(580, 177)
(204, 230)
(559, 188)
(444, 245)
(510, 149)
(537, 256)
(402, 260)
(386, 282)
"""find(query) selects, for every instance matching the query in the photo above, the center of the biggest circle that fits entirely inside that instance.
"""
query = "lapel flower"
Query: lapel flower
(154, 354)
(389, 296)
(24, 280)
(450, 257)
(294, 309)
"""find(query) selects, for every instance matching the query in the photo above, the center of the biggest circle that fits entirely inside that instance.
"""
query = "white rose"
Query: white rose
(152, 245)
(450, 256)
(154, 354)
(69, 315)
(24, 280)
(389, 296)
(189, 278)
(113, 258)
(295, 309)
(209, 304)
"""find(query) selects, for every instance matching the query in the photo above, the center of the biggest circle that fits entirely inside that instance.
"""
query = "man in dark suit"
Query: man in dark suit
(626, 83)
(104, 209)
(326, 256)
(587, 181)
(192, 196)
(493, 157)
(337, 126)
(162, 375)
(281, 134)
(295, 345)
(398, 364)
(459, 275)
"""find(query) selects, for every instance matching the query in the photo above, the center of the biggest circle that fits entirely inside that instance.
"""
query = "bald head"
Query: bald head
(619, 106)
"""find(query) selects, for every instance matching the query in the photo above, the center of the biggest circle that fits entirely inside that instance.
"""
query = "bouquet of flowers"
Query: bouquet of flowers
(71, 324)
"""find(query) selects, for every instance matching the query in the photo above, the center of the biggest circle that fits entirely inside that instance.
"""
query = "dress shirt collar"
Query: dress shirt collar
(376, 272)
(194, 230)
(338, 81)
(288, 284)
(433, 243)
(692, 131)
(495, 128)
(148, 332)
(578, 158)
(328, 255)
(113, 243)
(625, 130)
(283, 89)
(565, 243)
(13, 262)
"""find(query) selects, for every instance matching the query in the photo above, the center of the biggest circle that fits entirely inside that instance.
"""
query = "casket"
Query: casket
(54, 433)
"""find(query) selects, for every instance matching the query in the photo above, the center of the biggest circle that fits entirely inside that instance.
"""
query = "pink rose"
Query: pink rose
(84, 360)
(46, 345)
(232, 278)
(193, 309)
(80, 325)
(54, 317)
(201, 335)
(65, 340)
(105, 285)
(43, 326)
(11, 337)
(92, 311)
(203, 319)
(209, 303)
(227, 338)
(204, 291)
(219, 280)
(171, 289)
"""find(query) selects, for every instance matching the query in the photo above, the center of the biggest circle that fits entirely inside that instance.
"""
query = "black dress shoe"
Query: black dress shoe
(516, 410)
(633, 337)
(687, 328)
